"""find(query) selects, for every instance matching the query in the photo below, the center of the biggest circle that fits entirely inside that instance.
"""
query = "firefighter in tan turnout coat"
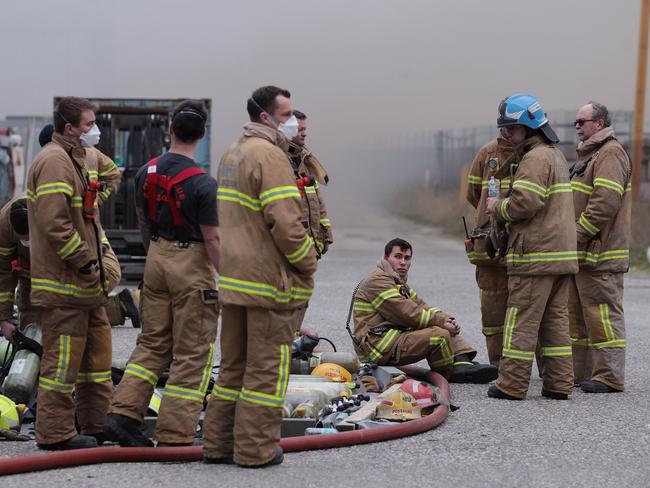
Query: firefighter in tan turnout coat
(394, 326)
(266, 278)
(492, 160)
(601, 195)
(541, 254)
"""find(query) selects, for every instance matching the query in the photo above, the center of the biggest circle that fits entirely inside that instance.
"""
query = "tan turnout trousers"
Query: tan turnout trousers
(537, 312)
(179, 327)
(493, 288)
(598, 328)
(76, 356)
(244, 413)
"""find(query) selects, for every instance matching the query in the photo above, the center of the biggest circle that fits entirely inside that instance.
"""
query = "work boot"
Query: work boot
(554, 395)
(195, 442)
(77, 442)
(99, 437)
(494, 392)
(277, 459)
(466, 371)
(223, 460)
(595, 386)
(126, 431)
(129, 307)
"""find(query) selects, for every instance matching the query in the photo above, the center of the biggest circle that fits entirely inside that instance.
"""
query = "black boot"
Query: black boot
(494, 392)
(129, 307)
(467, 371)
(554, 395)
(595, 386)
(126, 431)
(77, 442)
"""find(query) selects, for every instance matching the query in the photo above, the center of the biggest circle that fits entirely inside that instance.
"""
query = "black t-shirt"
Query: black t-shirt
(198, 208)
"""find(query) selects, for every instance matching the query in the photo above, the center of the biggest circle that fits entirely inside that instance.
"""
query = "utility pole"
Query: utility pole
(639, 104)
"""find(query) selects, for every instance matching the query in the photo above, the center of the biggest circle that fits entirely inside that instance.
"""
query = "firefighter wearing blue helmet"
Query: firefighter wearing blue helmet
(541, 253)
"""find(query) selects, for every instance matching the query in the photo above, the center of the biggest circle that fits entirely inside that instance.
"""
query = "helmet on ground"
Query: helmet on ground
(423, 394)
(9, 418)
(332, 372)
(399, 406)
(524, 109)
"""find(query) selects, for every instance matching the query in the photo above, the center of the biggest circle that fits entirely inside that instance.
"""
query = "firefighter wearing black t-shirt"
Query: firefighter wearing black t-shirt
(179, 300)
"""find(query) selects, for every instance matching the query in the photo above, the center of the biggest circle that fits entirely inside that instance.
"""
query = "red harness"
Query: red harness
(172, 192)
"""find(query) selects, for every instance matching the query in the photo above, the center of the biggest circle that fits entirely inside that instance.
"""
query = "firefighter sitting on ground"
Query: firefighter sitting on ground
(15, 273)
(393, 326)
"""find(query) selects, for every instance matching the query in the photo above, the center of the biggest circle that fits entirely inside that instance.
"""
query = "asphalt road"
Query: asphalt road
(588, 441)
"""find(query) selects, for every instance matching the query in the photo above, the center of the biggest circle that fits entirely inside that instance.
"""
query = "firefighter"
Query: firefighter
(492, 160)
(394, 326)
(179, 299)
(541, 254)
(67, 285)
(600, 180)
(268, 262)
(15, 271)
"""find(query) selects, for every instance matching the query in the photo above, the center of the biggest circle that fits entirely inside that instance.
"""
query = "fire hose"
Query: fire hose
(40, 462)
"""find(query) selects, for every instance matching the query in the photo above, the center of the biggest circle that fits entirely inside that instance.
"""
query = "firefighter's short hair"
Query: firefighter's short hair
(188, 120)
(401, 243)
(69, 110)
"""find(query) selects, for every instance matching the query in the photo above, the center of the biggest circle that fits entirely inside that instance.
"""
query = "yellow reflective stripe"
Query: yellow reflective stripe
(92, 174)
(325, 222)
(530, 186)
(7, 297)
(511, 321)
(63, 362)
(7, 251)
(182, 393)
(556, 351)
(383, 296)
(385, 342)
(447, 355)
(426, 315)
(49, 188)
(263, 399)
(517, 354)
(611, 184)
(591, 229)
(607, 324)
(77, 202)
(581, 187)
(112, 167)
(278, 193)
(300, 253)
(105, 240)
(558, 188)
(504, 209)
(360, 306)
(310, 189)
(474, 180)
(283, 371)
(478, 256)
(226, 393)
(492, 330)
(207, 371)
(542, 257)
(106, 193)
(412, 293)
(53, 385)
(65, 288)
(69, 247)
(628, 187)
(94, 377)
(616, 343)
(262, 289)
(590, 257)
(31, 196)
(232, 195)
(141, 372)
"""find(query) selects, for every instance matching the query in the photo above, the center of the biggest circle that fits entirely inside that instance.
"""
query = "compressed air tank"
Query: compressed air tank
(23, 374)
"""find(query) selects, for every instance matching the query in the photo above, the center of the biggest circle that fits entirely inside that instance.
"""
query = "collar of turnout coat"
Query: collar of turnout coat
(388, 269)
(71, 146)
(595, 141)
(254, 129)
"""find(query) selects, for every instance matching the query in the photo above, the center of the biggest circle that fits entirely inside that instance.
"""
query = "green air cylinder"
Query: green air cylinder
(5, 350)
(23, 374)
(348, 360)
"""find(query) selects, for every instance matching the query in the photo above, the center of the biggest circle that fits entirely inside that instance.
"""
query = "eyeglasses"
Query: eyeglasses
(581, 122)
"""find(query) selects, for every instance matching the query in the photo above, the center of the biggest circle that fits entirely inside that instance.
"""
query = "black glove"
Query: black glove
(89, 267)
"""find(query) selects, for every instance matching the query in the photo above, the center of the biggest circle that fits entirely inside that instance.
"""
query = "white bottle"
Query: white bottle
(494, 187)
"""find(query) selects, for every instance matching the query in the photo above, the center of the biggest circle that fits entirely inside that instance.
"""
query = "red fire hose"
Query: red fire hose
(39, 462)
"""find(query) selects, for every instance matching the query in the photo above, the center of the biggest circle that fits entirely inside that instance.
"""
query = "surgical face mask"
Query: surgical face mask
(289, 128)
(90, 138)
(24, 243)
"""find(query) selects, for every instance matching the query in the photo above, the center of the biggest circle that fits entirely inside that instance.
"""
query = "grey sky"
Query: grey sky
(363, 70)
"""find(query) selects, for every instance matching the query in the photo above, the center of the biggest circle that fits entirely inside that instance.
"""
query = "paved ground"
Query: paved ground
(588, 441)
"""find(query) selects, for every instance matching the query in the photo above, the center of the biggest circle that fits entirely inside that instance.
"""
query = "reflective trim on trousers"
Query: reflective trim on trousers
(226, 393)
(262, 399)
(94, 377)
(283, 371)
(511, 321)
(182, 393)
(207, 372)
(492, 330)
(584, 342)
(53, 385)
(384, 343)
(556, 351)
(517, 354)
(142, 373)
(447, 355)
(63, 361)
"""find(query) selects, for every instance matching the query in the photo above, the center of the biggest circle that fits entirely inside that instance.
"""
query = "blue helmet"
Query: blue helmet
(524, 109)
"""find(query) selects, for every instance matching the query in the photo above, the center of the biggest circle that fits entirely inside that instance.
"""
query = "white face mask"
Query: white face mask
(90, 138)
(289, 128)
(24, 243)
